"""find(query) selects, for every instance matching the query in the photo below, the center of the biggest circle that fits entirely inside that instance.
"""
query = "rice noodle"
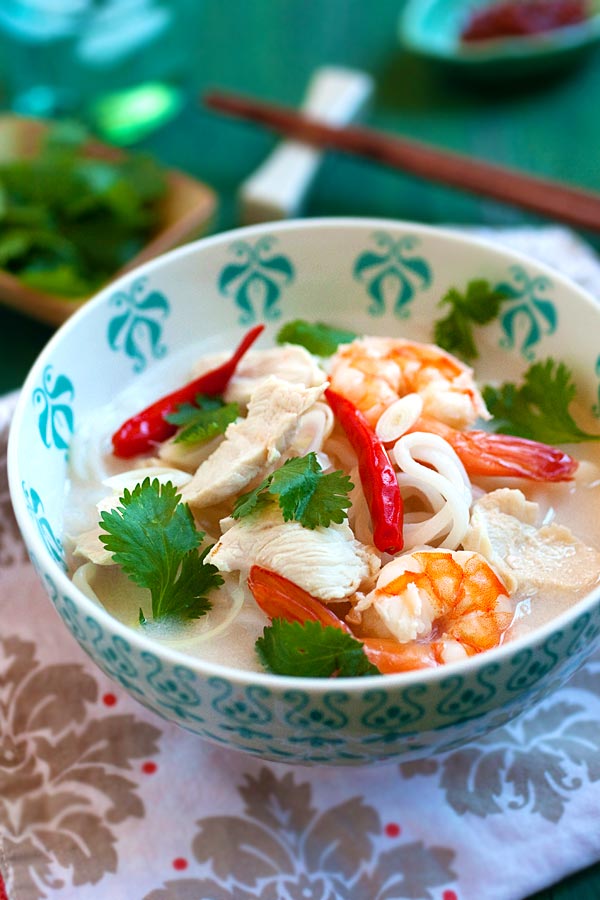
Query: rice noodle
(431, 471)
(359, 516)
(339, 448)
(115, 592)
(90, 459)
(313, 430)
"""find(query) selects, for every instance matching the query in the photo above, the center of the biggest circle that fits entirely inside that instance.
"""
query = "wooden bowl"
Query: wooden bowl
(187, 208)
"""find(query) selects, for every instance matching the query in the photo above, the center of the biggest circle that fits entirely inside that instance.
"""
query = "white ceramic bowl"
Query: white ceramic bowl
(374, 277)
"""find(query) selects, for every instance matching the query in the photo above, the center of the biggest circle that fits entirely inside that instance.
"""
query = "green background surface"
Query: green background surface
(270, 48)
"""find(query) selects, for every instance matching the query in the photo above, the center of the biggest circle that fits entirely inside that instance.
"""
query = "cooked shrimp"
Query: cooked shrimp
(482, 453)
(373, 372)
(429, 608)
(432, 607)
(280, 598)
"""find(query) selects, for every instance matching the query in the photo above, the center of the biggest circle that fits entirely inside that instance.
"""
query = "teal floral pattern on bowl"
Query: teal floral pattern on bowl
(35, 507)
(528, 310)
(327, 270)
(334, 726)
(256, 280)
(53, 401)
(392, 273)
(136, 329)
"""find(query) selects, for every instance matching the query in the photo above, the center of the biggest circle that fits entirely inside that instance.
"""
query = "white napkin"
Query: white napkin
(99, 798)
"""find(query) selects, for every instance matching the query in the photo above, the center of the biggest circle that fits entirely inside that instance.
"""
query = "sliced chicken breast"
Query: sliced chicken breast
(289, 362)
(329, 562)
(252, 444)
(528, 558)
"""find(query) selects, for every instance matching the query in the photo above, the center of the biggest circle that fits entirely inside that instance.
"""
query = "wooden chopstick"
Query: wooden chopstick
(553, 199)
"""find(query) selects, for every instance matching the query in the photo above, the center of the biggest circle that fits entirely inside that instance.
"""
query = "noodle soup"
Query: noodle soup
(363, 492)
(224, 660)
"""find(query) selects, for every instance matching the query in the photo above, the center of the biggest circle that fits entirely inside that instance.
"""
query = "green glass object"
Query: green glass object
(125, 117)
(121, 63)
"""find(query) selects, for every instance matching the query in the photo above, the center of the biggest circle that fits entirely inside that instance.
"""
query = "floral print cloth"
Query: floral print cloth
(99, 798)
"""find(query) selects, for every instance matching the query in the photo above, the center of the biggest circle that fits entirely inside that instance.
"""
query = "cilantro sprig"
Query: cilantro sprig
(202, 420)
(153, 537)
(304, 493)
(312, 650)
(479, 304)
(316, 337)
(539, 408)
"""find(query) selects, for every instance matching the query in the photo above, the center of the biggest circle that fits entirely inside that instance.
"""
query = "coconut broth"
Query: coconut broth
(574, 504)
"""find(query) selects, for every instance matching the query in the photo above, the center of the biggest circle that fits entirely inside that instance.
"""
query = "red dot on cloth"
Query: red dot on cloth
(149, 768)
(392, 830)
(449, 895)
(180, 863)
(3, 892)
(109, 699)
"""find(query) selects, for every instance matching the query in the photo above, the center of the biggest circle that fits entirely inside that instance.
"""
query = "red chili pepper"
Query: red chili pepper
(139, 434)
(376, 474)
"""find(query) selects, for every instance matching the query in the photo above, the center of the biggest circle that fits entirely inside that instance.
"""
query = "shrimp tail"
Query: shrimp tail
(390, 656)
(483, 453)
(280, 598)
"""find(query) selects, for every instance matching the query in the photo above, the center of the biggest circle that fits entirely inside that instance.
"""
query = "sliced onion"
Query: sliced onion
(193, 632)
(131, 477)
(398, 418)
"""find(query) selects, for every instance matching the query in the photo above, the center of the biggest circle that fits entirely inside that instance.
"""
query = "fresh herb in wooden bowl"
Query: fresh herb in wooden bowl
(74, 214)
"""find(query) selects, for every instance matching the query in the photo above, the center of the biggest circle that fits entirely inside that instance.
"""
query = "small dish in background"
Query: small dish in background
(186, 210)
(432, 29)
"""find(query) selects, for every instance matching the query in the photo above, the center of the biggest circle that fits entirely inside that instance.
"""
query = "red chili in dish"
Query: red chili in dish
(518, 18)
(149, 427)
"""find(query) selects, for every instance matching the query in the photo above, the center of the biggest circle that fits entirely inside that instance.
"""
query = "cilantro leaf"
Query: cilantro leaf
(312, 650)
(59, 279)
(318, 338)
(539, 408)
(254, 501)
(187, 412)
(69, 221)
(479, 304)
(309, 496)
(203, 420)
(153, 537)
(304, 493)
